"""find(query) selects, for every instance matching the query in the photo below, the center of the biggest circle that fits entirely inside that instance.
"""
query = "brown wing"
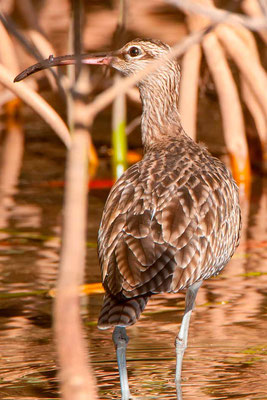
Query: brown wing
(162, 233)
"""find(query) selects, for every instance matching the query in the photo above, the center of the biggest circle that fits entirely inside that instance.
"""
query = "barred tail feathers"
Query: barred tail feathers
(120, 313)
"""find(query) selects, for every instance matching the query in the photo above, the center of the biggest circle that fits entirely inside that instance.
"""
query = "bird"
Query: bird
(172, 220)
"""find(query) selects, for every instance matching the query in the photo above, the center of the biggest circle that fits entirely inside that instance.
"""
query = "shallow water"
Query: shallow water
(227, 353)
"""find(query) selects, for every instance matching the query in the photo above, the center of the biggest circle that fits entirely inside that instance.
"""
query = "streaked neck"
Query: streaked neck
(160, 117)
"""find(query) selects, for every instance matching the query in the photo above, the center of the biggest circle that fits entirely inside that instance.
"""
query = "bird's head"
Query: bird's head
(135, 55)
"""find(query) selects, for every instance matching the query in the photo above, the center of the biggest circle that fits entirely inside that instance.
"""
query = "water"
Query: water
(227, 353)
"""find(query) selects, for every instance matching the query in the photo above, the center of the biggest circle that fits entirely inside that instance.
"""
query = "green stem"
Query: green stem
(119, 138)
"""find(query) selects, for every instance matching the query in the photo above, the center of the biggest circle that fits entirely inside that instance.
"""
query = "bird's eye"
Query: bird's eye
(134, 51)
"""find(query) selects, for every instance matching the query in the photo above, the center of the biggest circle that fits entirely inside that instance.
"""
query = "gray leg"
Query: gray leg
(181, 339)
(121, 340)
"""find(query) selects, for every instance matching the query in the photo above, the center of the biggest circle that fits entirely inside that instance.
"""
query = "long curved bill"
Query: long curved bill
(94, 59)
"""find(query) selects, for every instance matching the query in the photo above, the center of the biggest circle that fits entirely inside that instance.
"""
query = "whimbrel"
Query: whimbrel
(171, 220)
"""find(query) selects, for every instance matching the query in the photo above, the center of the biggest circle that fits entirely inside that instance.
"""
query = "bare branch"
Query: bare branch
(31, 48)
(188, 97)
(251, 69)
(253, 9)
(218, 16)
(133, 124)
(263, 6)
(13, 30)
(37, 103)
(7, 47)
(228, 94)
(77, 381)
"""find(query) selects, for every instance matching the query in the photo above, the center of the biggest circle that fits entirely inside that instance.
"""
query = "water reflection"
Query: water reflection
(227, 353)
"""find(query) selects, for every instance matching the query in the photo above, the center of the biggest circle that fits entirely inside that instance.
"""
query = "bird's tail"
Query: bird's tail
(120, 313)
